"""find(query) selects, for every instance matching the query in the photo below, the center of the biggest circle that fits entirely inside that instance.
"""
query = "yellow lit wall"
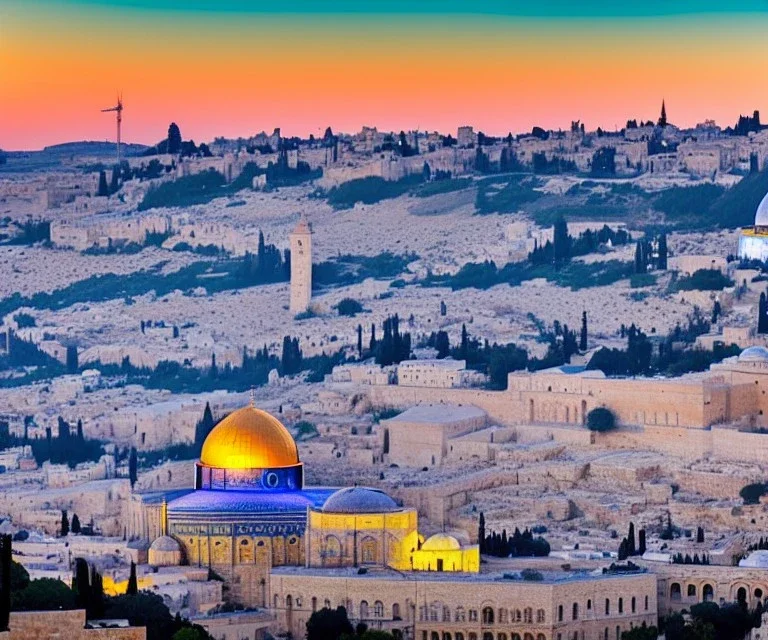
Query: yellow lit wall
(466, 559)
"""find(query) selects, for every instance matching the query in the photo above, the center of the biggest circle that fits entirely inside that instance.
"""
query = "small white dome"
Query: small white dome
(761, 217)
(165, 543)
(754, 354)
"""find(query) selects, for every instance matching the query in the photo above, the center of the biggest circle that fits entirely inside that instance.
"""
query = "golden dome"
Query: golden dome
(249, 439)
(440, 542)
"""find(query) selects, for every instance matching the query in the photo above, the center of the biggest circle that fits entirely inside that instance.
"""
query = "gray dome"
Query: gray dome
(754, 354)
(761, 217)
(165, 543)
(360, 500)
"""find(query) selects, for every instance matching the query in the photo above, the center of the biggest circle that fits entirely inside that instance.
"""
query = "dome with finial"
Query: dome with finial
(249, 438)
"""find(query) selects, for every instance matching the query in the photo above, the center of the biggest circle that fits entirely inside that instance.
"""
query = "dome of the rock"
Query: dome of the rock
(249, 439)
(360, 500)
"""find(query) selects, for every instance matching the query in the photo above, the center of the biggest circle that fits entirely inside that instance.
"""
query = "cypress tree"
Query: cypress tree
(64, 523)
(5, 581)
(81, 584)
(464, 350)
(662, 264)
(481, 532)
(631, 549)
(583, 337)
(360, 341)
(133, 466)
(372, 343)
(75, 524)
(103, 187)
(133, 584)
(699, 534)
(641, 542)
(762, 318)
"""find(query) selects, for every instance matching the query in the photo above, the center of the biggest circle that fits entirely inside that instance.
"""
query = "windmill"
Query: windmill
(118, 108)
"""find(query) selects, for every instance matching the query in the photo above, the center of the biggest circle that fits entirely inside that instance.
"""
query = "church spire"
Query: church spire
(663, 117)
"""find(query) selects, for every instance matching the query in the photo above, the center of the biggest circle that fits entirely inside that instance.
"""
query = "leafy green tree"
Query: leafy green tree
(601, 419)
(44, 594)
(643, 632)
(752, 493)
(329, 624)
(191, 633)
(349, 307)
(174, 139)
(19, 576)
(143, 609)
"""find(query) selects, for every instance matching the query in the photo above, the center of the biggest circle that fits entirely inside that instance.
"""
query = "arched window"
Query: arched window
(691, 590)
(541, 636)
(472, 636)
(363, 609)
(518, 615)
(528, 614)
(758, 594)
(396, 611)
(634, 604)
(540, 615)
(288, 602)
(487, 636)
(332, 550)
(708, 593)
(461, 615)
(589, 605)
(446, 613)
(675, 592)
(446, 636)
(575, 611)
(516, 636)
(368, 551)
(621, 605)
(646, 603)
(502, 616)
(528, 636)
(314, 604)
(423, 610)
(559, 613)
(435, 635)
(378, 609)
(459, 635)
(607, 606)
(487, 615)
(472, 615)
(433, 611)
(741, 595)
(502, 636)
(277, 601)
(327, 603)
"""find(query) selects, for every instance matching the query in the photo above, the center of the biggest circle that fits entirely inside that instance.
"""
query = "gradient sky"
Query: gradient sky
(236, 67)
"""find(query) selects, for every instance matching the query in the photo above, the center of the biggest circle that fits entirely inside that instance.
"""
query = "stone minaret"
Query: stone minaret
(301, 267)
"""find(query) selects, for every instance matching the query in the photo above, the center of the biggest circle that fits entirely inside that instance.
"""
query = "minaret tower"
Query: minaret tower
(663, 118)
(301, 267)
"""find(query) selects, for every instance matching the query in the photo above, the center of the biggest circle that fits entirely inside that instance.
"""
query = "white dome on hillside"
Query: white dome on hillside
(761, 217)
(754, 354)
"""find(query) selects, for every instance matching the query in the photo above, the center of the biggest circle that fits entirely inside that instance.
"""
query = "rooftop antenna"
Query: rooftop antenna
(118, 108)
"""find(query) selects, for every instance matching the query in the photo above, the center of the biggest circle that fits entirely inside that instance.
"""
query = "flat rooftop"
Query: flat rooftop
(439, 413)
(549, 577)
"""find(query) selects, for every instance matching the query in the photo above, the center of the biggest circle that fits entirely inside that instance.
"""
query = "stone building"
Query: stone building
(49, 625)
(419, 436)
(753, 241)
(301, 267)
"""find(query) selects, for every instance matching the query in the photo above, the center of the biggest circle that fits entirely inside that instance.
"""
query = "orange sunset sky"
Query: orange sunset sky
(227, 69)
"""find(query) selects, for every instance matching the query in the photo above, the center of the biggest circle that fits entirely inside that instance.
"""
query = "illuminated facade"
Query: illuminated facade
(753, 241)
(250, 512)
